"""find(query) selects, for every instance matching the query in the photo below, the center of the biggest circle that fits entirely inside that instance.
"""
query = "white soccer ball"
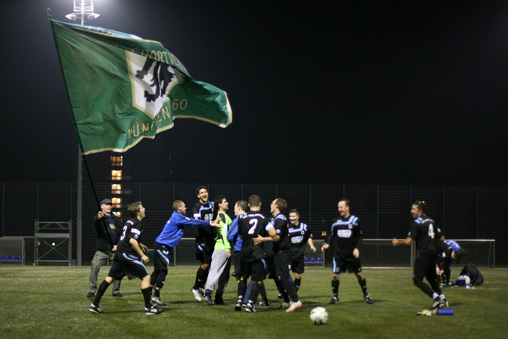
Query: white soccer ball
(319, 316)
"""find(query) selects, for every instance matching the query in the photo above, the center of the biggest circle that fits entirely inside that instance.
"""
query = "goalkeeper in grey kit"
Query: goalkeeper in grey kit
(345, 236)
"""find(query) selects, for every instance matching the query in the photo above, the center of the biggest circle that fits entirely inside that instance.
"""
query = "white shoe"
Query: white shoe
(158, 301)
(283, 306)
(197, 295)
(294, 305)
(153, 310)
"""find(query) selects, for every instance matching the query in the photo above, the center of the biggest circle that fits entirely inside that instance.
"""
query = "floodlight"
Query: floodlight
(81, 9)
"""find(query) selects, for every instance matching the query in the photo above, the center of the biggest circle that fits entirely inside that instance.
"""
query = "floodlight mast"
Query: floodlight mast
(82, 9)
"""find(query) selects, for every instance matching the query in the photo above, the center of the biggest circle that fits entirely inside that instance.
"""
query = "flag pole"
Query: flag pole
(79, 219)
(79, 12)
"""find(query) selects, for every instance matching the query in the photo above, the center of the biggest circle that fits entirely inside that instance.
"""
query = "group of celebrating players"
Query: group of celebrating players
(260, 248)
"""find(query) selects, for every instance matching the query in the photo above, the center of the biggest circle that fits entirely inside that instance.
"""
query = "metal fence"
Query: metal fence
(463, 212)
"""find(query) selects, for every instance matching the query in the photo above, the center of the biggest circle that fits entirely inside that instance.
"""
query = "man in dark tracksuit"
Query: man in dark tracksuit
(108, 227)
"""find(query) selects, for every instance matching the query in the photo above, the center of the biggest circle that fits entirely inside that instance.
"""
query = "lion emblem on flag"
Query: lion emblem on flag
(151, 81)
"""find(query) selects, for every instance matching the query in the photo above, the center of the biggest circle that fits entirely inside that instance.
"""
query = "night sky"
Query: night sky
(339, 92)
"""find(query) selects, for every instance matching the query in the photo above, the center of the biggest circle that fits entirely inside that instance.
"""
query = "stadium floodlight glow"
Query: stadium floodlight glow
(82, 9)
(72, 17)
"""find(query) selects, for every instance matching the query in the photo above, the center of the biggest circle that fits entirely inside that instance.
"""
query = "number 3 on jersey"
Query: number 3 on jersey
(254, 223)
(123, 232)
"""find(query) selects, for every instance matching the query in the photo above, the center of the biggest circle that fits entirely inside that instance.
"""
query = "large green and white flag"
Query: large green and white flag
(123, 88)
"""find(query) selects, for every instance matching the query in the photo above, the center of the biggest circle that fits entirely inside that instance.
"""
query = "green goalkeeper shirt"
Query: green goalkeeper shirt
(221, 240)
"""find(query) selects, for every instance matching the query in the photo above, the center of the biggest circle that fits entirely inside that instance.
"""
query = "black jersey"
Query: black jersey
(133, 228)
(345, 236)
(299, 235)
(425, 233)
(205, 212)
(249, 227)
(281, 226)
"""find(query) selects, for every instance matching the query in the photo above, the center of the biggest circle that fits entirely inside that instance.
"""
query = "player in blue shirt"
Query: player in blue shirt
(166, 241)
(241, 208)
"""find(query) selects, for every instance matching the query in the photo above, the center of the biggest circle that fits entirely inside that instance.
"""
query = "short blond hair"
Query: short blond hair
(134, 208)
(177, 204)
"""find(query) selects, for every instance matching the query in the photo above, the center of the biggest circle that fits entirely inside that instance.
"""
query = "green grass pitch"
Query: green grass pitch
(50, 302)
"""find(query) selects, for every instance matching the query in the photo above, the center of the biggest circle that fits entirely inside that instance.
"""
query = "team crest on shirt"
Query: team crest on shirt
(344, 233)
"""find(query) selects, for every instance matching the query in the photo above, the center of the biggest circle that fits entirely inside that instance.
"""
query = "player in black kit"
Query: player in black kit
(300, 235)
(205, 240)
(426, 235)
(129, 260)
(253, 225)
(282, 255)
(346, 235)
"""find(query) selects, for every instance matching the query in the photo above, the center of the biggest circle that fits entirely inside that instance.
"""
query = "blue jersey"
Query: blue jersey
(173, 230)
(233, 234)
(446, 255)
(455, 245)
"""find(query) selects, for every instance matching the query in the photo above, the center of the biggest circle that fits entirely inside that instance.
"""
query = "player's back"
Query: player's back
(281, 226)
(132, 229)
(426, 236)
(249, 227)
(453, 244)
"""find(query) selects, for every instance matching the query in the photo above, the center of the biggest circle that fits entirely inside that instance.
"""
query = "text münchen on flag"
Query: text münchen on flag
(122, 88)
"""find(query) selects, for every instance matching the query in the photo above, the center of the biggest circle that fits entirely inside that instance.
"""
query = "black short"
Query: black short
(127, 264)
(351, 264)
(282, 262)
(298, 266)
(254, 269)
(204, 249)
(161, 256)
(424, 267)
(235, 257)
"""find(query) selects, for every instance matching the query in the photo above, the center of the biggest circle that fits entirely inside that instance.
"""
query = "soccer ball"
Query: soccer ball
(319, 316)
